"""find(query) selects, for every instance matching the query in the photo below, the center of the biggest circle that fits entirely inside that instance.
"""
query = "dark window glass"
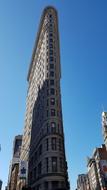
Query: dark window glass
(52, 101)
(58, 128)
(50, 25)
(35, 173)
(48, 92)
(32, 160)
(35, 156)
(51, 82)
(47, 113)
(47, 165)
(47, 102)
(54, 164)
(52, 112)
(47, 144)
(51, 45)
(54, 184)
(40, 150)
(38, 187)
(51, 66)
(46, 185)
(51, 29)
(52, 91)
(50, 34)
(39, 168)
(53, 127)
(50, 16)
(51, 52)
(53, 143)
(52, 73)
(31, 176)
(57, 113)
(60, 146)
(50, 40)
(61, 164)
(51, 58)
(47, 83)
(47, 128)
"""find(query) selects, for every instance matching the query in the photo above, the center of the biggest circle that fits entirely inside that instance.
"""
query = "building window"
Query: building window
(51, 73)
(53, 127)
(61, 164)
(51, 45)
(51, 52)
(51, 66)
(52, 101)
(52, 91)
(46, 185)
(47, 144)
(50, 40)
(47, 92)
(47, 128)
(54, 164)
(32, 160)
(35, 173)
(47, 165)
(57, 113)
(47, 102)
(39, 168)
(51, 82)
(51, 34)
(40, 149)
(31, 177)
(47, 83)
(51, 58)
(47, 113)
(60, 145)
(54, 184)
(38, 187)
(35, 156)
(53, 143)
(52, 112)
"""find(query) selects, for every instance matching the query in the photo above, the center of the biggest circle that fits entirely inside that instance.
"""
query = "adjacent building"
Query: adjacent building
(43, 139)
(97, 169)
(83, 182)
(104, 127)
(1, 185)
(14, 166)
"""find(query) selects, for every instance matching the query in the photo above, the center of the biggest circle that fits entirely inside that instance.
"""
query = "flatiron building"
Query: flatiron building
(43, 138)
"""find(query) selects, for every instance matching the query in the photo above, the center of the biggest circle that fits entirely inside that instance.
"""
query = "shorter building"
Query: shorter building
(104, 127)
(1, 184)
(83, 182)
(97, 169)
(14, 166)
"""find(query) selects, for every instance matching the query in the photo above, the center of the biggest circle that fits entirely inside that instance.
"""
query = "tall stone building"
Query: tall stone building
(43, 138)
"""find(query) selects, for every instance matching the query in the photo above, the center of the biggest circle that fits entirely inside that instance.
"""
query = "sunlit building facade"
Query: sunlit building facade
(43, 138)
(104, 127)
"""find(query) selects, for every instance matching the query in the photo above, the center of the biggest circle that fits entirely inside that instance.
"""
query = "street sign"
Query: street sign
(23, 168)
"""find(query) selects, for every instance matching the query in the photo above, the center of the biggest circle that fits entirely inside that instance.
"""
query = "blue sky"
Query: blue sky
(83, 42)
